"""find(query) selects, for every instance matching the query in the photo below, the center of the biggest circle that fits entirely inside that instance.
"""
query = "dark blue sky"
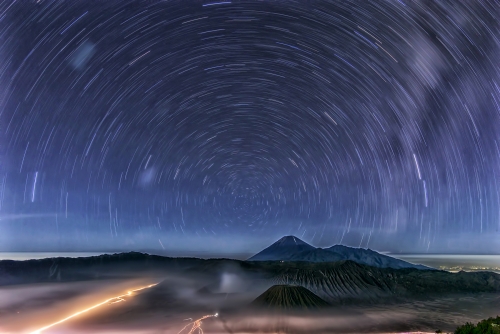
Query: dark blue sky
(221, 126)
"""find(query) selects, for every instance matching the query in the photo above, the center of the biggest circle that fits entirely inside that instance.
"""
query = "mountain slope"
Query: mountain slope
(371, 258)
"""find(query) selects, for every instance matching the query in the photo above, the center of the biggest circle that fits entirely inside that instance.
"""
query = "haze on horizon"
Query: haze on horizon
(199, 126)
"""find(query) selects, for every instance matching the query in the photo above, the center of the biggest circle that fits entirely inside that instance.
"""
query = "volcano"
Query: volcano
(291, 248)
(289, 297)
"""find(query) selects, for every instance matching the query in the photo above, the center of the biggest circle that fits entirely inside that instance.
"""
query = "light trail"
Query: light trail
(196, 325)
(111, 300)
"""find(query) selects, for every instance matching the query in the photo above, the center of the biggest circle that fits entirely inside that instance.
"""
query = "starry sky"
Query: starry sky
(222, 126)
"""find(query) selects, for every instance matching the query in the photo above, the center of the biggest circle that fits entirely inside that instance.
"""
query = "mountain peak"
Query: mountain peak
(286, 248)
(291, 240)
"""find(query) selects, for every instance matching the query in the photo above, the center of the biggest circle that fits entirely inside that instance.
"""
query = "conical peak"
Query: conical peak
(289, 297)
(290, 240)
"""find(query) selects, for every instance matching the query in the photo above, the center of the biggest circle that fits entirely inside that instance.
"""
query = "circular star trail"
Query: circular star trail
(369, 123)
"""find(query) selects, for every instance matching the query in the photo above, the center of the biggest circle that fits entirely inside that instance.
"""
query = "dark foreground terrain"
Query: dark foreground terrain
(340, 297)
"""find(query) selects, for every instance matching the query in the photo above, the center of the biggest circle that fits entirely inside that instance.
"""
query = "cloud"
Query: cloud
(82, 55)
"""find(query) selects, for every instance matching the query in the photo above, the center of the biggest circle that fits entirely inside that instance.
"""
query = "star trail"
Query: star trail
(133, 125)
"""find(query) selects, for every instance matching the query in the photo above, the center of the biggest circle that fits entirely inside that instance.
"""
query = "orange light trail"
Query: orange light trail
(196, 325)
(111, 300)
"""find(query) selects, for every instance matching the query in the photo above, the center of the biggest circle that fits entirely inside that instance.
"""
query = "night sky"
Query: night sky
(222, 126)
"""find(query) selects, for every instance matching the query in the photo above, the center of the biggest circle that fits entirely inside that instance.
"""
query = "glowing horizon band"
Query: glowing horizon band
(114, 299)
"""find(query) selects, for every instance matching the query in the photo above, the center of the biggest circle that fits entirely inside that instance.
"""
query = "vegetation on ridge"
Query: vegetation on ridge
(487, 326)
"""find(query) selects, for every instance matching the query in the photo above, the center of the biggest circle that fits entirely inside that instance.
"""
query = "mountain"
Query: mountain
(285, 297)
(291, 248)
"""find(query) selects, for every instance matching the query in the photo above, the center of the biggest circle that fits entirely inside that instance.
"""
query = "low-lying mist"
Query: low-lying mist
(180, 297)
